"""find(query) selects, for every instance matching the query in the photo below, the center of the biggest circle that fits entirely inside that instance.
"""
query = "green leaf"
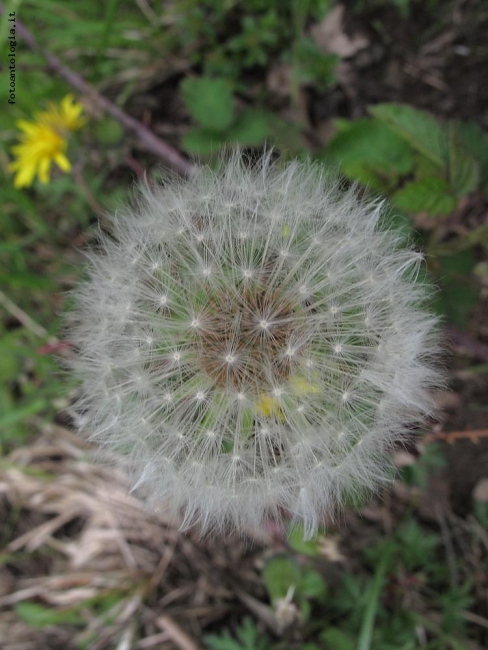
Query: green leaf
(18, 414)
(279, 574)
(210, 102)
(251, 127)
(463, 169)
(203, 141)
(476, 143)
(10, 362)
(371, 144)
(458, 295)
(108, 132)
(249, 638)
(456, 302)
(431, 195)
(420, 129)
(313, 585)
(295, 539)
(25, 280)
(37, 615)
(336, 639)
(314, 66)
(361, 173)
(417, 548)
(373, 604)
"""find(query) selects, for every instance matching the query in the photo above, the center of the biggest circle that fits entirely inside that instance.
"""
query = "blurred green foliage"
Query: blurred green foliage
(422, 166)
(211, 104)
(365, 611)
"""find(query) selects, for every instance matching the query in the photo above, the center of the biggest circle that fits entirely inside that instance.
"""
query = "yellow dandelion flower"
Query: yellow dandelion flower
(67, 115)
(45, 141)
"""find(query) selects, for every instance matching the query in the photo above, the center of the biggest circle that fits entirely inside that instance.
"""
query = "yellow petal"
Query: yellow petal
(44, 169)
(27, 127)
(67, 102)
(70, 113)
(62, 162)
(25, 176)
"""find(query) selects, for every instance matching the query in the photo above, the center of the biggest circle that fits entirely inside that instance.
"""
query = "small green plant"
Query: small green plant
(211, 104)
(291, 585)
(247, 637)
(36, 615)
(419, 163)
(233, 37)
(432, 459)
(422, 166)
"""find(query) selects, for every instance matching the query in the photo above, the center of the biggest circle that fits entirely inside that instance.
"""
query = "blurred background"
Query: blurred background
(391, 92)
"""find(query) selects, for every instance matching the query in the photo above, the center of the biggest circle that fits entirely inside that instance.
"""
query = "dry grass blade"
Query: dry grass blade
(77, 542)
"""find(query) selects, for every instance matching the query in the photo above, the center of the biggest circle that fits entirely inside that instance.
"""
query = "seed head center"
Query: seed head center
(243, 342)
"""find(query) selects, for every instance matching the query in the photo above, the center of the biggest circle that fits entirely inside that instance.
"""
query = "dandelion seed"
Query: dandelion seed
(278, 374)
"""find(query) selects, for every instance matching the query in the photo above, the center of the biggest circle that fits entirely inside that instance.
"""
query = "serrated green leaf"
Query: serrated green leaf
(210, 102)
(431, 195)
(360, 173)
(373, 145)
(251, 127)
(203, 141)
(476, 142)
(463, 169)
(394, 219)
(420, 129)
(36, 615)
(279, 574)
(250, 637)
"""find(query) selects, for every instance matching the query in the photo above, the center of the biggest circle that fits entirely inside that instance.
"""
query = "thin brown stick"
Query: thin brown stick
(154, 144)
(475, 618)
(24, 318)
(182, 640)
(451, 436)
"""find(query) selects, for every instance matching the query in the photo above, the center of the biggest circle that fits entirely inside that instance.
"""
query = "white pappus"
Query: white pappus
(252, 341)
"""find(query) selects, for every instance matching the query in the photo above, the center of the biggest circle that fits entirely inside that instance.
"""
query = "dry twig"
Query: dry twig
(154, 144)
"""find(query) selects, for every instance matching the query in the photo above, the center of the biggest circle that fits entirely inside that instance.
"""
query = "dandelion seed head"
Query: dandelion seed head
(261, 335)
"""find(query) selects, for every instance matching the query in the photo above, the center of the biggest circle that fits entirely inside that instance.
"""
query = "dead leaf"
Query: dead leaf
(480, 491)
(330, 37)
